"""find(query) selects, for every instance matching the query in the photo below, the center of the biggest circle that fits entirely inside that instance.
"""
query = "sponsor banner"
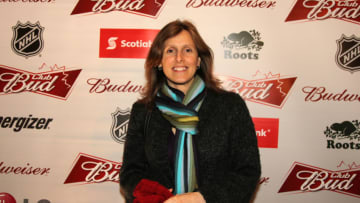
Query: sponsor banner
(120, 122)
(29, 122)
(347, 10)
(148, 8)
(231, 3)
(27, 39)
(348, 53)
(319, 94)
(271, 90)
(343, 135)
(56, 84)
(125, 43)
(267, 132)
(306, 178)
(91, 169)
(242, 45)
(102, 85)
(27, 1)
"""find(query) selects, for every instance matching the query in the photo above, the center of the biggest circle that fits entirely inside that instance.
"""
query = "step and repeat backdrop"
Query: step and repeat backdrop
(70, 71)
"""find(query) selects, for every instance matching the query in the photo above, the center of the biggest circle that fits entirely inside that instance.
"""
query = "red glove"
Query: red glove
(148, 191)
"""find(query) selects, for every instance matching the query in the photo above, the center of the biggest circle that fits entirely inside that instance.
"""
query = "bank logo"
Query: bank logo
(120, 122)
(126, 43)
(267, 132)
(91, 169)
(54, 83)
(347, 10)
(343, 135)
(348, 53)
(268, 89)
(148, 8)
(27, 39)
(306, 178)
(242, 45)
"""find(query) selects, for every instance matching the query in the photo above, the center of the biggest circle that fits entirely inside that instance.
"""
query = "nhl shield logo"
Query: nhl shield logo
(119, 125)
(348, 53)
(27, 39)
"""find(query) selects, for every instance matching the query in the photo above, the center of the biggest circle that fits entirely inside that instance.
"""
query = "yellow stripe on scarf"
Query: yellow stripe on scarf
(188, 119)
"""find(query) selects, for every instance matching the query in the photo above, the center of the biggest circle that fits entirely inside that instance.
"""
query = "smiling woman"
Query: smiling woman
(186, 135)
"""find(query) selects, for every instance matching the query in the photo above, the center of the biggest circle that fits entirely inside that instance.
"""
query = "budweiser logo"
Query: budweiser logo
(23, 170)
(90, 169)
(149, 8)
(231, 3)
(348, 10)
(307, 178)
(316, 94)
(57, 84)
(272, 90)
(99, 85)
(267, 132)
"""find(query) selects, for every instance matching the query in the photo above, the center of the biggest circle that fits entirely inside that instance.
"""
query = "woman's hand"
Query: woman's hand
(191, 197)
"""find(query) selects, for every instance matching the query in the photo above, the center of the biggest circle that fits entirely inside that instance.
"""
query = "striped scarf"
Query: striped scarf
(182, 112)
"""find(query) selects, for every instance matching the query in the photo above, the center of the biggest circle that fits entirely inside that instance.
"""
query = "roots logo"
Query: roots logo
(271, 90)
(305, 178)
(120, 124)
(348, 53)
(344, 135)
(148, 8)
(236, 42)
(347, 10)
(55, 83)
(90, 169)
(27, 39)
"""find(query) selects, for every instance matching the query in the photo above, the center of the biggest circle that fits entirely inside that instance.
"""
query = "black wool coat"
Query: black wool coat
(227, 152)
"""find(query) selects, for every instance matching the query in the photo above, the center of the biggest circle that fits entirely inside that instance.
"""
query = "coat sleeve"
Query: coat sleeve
(239, 182)
(134, 160)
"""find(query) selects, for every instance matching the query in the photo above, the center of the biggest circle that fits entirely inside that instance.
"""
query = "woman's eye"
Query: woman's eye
(170, 51)
(188, 50)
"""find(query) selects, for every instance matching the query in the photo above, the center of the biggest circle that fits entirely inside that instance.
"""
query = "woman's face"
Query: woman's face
(180, 60)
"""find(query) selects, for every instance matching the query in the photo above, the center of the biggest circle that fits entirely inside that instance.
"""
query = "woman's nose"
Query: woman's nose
(179, 57)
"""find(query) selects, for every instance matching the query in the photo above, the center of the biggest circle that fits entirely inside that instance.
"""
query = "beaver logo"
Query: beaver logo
(27, 39)
(344, 135)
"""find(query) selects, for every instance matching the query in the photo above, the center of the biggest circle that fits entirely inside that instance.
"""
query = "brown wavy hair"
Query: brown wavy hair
(155, 77)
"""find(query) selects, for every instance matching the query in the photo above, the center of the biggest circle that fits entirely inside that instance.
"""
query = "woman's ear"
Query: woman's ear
(199, 61)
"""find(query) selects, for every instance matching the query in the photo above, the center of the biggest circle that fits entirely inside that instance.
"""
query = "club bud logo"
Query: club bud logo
(27, 39)
(305, 178)
(91, 169)
(348, 53)
(347, 10)
(6, 198)
(148, 8)
(271, 90)
(55, 83)
(120, 124)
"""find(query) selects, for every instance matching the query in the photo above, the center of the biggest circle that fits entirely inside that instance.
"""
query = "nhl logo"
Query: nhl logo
(348, 53)
(27, 39)
(119, 125)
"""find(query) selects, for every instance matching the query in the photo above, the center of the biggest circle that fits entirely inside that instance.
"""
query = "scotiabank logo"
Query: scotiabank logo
(54, 83)
(347, 10)
(148, 8)
(125, 43)
(269, 89)
(306, 178)
(267, 132)
(91, 169)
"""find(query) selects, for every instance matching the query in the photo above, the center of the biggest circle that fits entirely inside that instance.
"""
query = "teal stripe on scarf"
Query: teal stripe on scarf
(182, 112)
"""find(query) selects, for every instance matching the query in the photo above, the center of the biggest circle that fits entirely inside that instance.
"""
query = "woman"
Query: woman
(186, 133)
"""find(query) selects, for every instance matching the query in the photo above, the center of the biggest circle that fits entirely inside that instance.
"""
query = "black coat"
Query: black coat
(227, 151)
